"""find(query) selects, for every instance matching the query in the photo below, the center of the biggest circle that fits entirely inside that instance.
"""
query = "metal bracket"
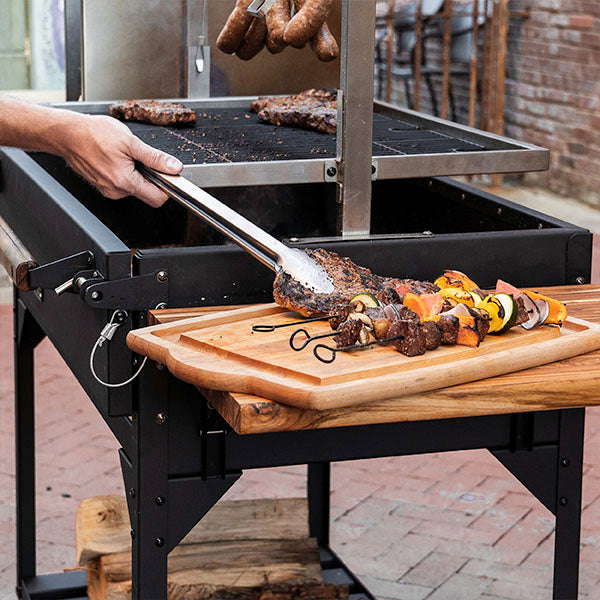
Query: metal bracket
(259, 8)
(213, 438)
(332, 171)
(140, 292)
(55, 274)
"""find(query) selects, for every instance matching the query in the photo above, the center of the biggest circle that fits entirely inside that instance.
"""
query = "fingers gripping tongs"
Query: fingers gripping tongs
(258, 243)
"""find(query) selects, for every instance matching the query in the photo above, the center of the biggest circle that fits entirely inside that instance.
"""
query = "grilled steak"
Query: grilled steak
(313, 109)
(448, 326)
(348, 279)
(153, 111)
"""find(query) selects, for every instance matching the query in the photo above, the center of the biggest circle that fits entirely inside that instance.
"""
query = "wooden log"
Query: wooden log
(102, 524)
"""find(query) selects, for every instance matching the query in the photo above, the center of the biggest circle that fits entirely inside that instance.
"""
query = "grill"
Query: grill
(237, 135)
(117, 260)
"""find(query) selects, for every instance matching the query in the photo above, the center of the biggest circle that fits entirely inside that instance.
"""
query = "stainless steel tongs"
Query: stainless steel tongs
(257, 242)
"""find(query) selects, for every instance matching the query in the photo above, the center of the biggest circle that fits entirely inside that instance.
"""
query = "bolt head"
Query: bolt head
(565, 462)
(373, 169)
(564, 501)
(132, 533)
(159, 541)
(580, 280)
(159, 500)
(132, 493)
(162, 276)
(331, 171)
(95, 295)
(161, 418)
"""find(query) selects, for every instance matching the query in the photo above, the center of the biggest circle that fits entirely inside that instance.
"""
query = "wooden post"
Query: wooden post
(474, 65)
(446, 58)
(485, 68)
(501, 48)
(389, 50)
(418, 57)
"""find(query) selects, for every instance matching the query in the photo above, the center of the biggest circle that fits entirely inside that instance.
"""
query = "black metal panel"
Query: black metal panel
(61, 586)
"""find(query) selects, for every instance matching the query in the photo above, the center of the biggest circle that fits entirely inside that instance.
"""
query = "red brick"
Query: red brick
(581, 21)
(434, 569)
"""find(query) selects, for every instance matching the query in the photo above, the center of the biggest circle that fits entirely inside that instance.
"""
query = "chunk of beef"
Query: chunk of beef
(348, 333)
(433, 335)
(448, 326)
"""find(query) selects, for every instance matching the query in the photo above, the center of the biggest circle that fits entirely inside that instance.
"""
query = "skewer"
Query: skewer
(334, 351)
(270, 328)
(308, 339)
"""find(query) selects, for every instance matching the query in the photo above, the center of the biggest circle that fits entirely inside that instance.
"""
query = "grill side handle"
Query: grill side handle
(15, 258)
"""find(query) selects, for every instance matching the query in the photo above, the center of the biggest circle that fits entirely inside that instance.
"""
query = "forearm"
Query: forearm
(35, 127)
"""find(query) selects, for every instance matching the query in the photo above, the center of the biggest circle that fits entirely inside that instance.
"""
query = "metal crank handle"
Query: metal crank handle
(176, 192)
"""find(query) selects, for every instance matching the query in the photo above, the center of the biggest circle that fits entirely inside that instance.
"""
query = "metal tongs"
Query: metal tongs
(257, 242)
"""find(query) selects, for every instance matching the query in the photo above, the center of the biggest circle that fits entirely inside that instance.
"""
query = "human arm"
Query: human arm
(99, 148)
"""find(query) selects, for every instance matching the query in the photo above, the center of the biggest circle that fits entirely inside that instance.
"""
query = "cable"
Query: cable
(107, 334)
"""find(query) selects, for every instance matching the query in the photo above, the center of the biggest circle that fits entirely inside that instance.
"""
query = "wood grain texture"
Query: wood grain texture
(102, 524)
(571, 383)
(219, 351)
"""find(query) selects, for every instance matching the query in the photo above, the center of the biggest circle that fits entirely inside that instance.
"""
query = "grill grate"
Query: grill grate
(237, 135)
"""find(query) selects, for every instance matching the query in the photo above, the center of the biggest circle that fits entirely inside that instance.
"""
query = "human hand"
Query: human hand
(103, 150)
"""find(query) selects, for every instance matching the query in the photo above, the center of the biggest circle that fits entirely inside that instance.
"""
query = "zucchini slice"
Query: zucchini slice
(368, 300)
(509, 307)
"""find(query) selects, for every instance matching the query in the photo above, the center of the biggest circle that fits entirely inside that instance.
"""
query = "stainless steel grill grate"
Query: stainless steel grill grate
(236, 135)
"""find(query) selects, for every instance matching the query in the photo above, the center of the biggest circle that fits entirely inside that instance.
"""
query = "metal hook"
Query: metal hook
(308, 339)
(334, 351)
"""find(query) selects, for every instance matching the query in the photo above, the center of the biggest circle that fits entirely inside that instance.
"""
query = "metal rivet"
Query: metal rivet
(499, 211)
(160, 366)
(159, 500)
(95, 295)
(430, 183)
(161, 418)
(95, 274)
(331, 172)
(564, 462)
(462, 196)
(159, 541)
(161, 306)
(132, 493)
(132, 533)
(564, 501)
(162, 276)
(373, 169)
(580, 280)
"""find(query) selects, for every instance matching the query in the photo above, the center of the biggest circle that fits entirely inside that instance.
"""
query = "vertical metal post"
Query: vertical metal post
(318, 491)
(150, 490)
(27, 335)
(355, 117)
(568, 504)
(74, 48)
(196, 51)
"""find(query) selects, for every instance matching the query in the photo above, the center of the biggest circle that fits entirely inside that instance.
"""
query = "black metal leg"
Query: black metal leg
(148, 491)
(318, 489)
(568, 504)
(27, 335)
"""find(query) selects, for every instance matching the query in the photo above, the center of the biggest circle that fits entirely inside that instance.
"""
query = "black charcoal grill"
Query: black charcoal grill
(116, 260)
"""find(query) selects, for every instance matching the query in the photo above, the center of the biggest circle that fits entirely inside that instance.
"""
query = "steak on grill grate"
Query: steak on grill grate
(153, 111)
(348, 279)
(312, 109)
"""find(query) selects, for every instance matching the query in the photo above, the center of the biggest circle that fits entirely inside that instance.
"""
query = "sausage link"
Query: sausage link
(236, 27)
(277, 19)
(324, 44)
(272, 46)
(307, 21)
(254, 40)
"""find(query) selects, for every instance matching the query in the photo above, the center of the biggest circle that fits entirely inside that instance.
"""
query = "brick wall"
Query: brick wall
(552, 92)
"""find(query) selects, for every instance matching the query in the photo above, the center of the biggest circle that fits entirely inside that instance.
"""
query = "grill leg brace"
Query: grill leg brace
(318, 491)
(27, 335)
(568, 504)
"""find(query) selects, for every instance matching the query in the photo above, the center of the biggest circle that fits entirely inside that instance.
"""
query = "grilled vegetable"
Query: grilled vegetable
(458, 295)
(509, 311)
(456, 279)
(425, 305)
(557, 311)
(367, 300)
(495, 309)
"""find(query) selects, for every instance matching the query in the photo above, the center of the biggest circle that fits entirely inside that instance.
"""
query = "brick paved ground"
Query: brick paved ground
(452, 526)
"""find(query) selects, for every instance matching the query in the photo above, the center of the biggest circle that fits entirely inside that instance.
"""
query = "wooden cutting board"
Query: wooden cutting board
(220, 351)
